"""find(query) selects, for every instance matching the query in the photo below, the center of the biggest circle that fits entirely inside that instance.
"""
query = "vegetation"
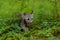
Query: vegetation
(46, 24)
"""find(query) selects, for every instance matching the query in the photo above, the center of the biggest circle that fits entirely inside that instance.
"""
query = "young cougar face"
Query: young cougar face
(28, 18)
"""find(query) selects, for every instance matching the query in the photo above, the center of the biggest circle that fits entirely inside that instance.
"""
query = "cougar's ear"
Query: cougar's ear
(31, 12)
(24, 13)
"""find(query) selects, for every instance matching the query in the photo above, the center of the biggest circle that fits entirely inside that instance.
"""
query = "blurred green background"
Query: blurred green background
(46, 24)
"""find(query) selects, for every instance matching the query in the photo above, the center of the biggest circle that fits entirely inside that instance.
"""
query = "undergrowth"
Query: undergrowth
(45, 25)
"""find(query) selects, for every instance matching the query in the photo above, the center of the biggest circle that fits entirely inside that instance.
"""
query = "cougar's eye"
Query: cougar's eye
(28, 18)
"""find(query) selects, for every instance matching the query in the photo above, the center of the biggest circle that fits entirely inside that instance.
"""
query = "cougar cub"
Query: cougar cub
(26, 20)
